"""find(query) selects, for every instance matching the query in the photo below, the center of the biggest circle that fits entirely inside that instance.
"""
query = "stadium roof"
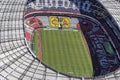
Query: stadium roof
(16, 60)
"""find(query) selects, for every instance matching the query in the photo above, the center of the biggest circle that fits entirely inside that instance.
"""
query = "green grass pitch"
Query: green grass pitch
(66, 52)
(35, 40)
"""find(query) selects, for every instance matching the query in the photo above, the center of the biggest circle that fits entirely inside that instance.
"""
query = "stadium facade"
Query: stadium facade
(17, 61)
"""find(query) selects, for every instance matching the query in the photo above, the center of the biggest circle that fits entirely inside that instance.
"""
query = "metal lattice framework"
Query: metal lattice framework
(16, 60)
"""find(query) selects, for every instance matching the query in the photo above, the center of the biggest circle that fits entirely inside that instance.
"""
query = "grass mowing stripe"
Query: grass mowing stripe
(65, 51)
(78, 46)
(87, 59)
(35, 43)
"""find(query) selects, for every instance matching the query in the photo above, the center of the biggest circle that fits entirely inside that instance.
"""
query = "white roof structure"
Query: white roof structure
(16, 60)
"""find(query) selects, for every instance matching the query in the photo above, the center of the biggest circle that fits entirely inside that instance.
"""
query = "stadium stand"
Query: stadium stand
(16, 59)
(114, 11)
(97, 37)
